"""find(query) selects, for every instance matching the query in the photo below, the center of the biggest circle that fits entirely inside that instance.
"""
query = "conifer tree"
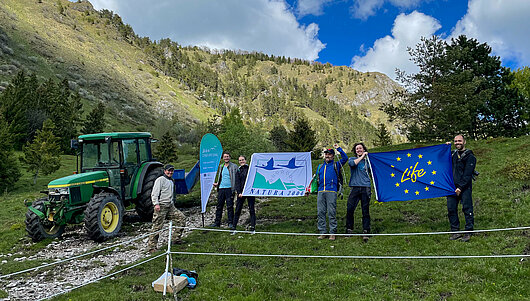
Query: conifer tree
(303, 138)
(42, 155)
(65, 110)
(9, 169)
(278, 136)
(95, 121)
(383, 136)
(166, 149)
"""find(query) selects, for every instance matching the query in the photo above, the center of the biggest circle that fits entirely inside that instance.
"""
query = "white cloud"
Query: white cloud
(405, 3)
(363, 9)
(311, 7)
(390, 52)
(259, 25)
(502, 24)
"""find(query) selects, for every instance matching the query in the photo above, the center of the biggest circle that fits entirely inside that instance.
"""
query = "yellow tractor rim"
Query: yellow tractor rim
(110, 217)
(51, 230)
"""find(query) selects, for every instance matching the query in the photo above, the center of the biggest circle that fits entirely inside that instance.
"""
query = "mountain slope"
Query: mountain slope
(142, 81)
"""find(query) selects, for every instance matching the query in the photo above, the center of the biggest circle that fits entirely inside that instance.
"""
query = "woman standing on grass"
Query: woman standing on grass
(241, 177)
(360, 189)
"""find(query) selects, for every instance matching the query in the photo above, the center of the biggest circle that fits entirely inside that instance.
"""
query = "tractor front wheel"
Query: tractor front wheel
(103, 216)
(39, 229)
(144, 205)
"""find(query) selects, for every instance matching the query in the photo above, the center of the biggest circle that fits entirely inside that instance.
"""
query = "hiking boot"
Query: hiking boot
(214, 225)
(349, 231)
(365, 236)
(455, 236)
(251, 228)
(332, 237)
(321, 236)
(466, 237)
(231, 227)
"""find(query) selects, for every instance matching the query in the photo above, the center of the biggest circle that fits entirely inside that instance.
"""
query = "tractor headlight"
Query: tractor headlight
(58, 191)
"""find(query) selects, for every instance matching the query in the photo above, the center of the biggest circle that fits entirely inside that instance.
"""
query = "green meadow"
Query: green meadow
(501, 197)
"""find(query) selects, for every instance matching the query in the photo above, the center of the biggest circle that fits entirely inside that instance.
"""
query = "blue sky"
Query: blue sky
(367, 35)
(345, 34)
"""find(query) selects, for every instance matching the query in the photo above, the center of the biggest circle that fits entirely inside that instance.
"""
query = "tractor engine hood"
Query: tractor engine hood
(100, 178)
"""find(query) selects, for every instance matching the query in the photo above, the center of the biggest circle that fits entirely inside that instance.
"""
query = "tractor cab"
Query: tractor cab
(121, 155)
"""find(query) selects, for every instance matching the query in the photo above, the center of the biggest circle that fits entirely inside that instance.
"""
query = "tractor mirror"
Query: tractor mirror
(74, 144)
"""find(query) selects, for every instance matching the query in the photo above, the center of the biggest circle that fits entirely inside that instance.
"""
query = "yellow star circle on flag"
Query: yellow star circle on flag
(426, 188)
(432, 182)
(429, 162)
(434, 172)
(420, 156)
(417, 192)
(392, 175)
(399, 159)
(408, 155)
(397, 184)
(406, 191)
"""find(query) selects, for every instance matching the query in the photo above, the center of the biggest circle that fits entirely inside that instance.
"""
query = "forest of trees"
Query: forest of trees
(39, 118)
(460, 89)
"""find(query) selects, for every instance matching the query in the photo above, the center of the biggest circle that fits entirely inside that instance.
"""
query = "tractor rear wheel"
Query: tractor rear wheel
(39, 229)
(144, 205)
(103, 216)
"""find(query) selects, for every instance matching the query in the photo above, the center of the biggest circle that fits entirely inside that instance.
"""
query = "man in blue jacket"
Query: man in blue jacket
(328, 174)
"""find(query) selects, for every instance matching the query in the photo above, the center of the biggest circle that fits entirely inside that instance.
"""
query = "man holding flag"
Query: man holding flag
(360, 189)
(327, 175)
(463, 167)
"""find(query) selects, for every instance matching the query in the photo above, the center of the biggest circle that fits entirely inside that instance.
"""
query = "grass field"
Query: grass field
(501, 196)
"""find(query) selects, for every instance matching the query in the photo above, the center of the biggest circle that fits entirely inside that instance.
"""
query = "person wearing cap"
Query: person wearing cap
(360, 189)
(226, 188)
(163, 196)
(328, 174)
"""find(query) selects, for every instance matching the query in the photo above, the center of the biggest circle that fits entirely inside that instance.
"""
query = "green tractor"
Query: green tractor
(117, 169)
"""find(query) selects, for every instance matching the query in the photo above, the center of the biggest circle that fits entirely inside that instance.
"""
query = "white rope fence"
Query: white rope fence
(103, 277)
(357, 256)
(169, 252)
(80, 255)
(358, 234)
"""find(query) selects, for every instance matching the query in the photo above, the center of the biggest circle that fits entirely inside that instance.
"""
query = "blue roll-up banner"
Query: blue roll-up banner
(210, 155)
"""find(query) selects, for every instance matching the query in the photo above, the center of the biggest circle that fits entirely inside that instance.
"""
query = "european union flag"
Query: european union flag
(413, 174)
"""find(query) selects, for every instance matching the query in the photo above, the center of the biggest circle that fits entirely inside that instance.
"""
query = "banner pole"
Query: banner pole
(373, 179)
(167, 256)
(202, 219)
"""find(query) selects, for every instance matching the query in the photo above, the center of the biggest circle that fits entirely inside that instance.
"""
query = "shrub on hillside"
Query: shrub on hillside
(518, 168)
(9, 170)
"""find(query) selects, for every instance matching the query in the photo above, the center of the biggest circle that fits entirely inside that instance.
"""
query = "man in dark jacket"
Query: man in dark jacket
(241, 177)
(463, 167)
